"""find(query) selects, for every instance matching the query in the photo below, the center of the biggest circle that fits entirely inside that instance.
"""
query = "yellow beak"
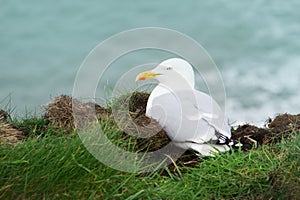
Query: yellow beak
(146, 75)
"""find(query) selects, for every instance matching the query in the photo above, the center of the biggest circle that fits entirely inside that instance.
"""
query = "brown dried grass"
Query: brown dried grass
(61, 112)
(8, 133)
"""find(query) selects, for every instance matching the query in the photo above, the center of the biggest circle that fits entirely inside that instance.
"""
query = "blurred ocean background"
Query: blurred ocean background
(255, 44)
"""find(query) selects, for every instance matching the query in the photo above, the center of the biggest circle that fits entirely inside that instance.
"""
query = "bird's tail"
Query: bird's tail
(223, 144)
(203, 149)
(224, 140)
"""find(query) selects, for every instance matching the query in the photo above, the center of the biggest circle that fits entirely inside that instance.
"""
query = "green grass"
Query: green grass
(50, 165)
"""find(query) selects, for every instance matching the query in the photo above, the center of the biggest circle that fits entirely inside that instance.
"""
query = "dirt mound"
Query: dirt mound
(8, 133)
(281, 127)
(285, 123)
(60, 113)
(251, 136)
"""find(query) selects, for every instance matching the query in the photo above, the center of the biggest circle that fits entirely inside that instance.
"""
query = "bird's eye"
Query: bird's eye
(169, 68)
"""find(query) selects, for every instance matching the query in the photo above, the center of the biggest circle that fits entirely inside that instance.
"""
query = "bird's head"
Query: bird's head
(173, 67)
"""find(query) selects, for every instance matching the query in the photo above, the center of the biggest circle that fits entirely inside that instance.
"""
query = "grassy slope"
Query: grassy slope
(59, 167)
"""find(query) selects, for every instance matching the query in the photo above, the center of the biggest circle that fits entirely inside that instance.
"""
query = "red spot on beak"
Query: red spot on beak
(142, 78)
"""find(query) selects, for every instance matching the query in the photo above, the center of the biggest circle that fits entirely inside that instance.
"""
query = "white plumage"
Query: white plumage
(192, 119)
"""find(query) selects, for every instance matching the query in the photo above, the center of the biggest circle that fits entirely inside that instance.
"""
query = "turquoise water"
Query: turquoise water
(256, 46)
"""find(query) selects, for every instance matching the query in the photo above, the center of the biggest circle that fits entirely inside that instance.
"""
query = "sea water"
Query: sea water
(255, 44)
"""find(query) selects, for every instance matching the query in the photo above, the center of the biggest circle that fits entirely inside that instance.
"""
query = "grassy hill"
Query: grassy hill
(50, 164)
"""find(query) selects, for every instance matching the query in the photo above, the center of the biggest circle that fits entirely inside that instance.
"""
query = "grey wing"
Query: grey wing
(210, 111)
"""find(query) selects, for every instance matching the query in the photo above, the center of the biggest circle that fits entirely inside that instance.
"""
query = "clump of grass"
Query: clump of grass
(33, 126)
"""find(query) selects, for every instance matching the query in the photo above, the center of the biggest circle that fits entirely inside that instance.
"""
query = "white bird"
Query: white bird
(191, 119)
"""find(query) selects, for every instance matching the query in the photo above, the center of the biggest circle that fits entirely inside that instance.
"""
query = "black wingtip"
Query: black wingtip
(224, 140)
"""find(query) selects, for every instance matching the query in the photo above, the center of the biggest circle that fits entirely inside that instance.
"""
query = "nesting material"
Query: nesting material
(61, 112)
(285, 123)
(8, 133)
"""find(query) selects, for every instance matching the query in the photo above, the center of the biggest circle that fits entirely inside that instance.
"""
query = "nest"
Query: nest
(8, 133)
(61, 113)
(250, 136)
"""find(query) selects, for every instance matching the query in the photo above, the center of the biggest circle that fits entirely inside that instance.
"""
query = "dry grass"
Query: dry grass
(61, 112)
(8, 133)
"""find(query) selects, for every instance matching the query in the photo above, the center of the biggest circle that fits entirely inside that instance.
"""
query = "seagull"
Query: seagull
(192, 119)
